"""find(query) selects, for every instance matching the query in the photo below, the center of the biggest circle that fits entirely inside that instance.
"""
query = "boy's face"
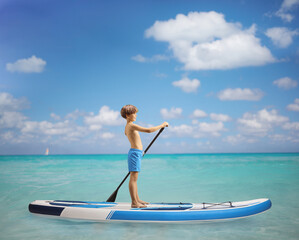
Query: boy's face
(132, 117)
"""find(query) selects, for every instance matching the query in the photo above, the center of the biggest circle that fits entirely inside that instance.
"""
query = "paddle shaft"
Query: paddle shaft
(114, 194)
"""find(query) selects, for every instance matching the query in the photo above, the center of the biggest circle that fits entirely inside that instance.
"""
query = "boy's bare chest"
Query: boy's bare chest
(132, 134)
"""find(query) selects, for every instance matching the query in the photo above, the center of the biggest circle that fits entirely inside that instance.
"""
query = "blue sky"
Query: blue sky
(224, 74)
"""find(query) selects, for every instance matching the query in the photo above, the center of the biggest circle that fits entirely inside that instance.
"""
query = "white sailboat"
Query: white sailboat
(47, 151)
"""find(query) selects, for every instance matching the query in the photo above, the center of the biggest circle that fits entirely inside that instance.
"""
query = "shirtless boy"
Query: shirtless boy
(129, 112)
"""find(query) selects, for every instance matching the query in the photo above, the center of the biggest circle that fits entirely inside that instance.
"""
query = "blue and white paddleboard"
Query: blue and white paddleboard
(154, 212)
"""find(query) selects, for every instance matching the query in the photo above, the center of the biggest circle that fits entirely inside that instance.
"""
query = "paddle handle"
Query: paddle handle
(161, 130)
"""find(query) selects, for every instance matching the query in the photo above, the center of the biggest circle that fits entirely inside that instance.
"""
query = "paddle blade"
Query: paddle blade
(112, 197)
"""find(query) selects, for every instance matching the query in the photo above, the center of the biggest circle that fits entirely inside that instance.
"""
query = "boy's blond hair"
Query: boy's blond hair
(128, 110)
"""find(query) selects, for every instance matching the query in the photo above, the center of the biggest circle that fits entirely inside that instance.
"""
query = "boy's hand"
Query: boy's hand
(165, 124)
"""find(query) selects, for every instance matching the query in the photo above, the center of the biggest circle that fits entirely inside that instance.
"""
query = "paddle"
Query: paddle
(114, 194)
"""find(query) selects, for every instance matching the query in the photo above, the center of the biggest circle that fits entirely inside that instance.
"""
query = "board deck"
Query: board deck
(160, 212)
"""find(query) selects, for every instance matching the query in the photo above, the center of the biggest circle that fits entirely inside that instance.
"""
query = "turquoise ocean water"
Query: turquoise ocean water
(167, 178)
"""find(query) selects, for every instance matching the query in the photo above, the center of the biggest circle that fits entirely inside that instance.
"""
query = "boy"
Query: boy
(129, 112)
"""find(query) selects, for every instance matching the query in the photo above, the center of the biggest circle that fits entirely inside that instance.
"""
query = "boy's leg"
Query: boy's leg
(137, 196)
(134, 191)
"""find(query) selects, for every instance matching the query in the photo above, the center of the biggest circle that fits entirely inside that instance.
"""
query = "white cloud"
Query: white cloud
(107, 135)
(75, 114)
(139, 58)
(261, 123)
(47, 128)
(285, 83)
(234, 139)
(281, 36)
(11, 119)
(95, 127)
(239, 139)
(286, 7)
(205, 40)
(77, 133)
(199, 130)
(294, 106)
(284, 138)
(7, 136)
(29, 65)
(236, 94)
(66, 130)
(197, 113)
(280, 137)
(172, 113)
(55, 116)
(9, 115)
(212, 128)
(16, 128)
(187, 85)
(294, 126)
(155, 58)
(106, 116)
(9, 103)
(181, 130)
(220, 117)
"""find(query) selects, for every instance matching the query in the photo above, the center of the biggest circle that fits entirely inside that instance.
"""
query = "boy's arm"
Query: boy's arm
(148, 130)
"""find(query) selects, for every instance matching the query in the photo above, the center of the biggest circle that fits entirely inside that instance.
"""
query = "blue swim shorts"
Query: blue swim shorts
(134, 160)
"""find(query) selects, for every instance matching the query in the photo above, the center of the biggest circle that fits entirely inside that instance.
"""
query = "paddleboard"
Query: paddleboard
(154, 212)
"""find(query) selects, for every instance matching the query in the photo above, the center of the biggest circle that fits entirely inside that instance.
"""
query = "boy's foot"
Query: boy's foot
(142, 202)
(138, 205)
